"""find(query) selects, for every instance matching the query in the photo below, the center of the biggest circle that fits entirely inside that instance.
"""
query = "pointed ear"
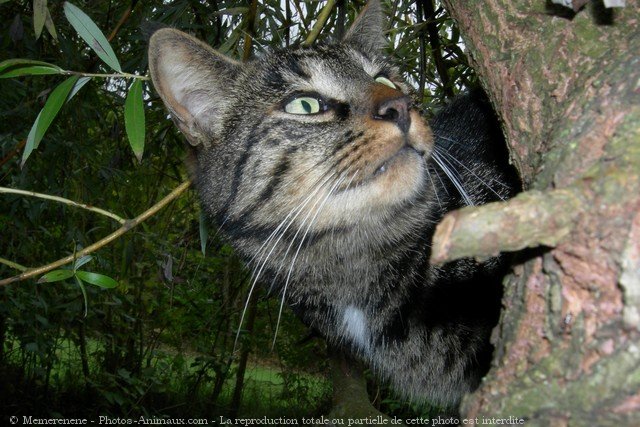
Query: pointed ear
(192, 80)
(366, 32)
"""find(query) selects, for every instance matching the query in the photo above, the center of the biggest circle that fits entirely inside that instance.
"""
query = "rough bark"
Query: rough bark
(568, 93)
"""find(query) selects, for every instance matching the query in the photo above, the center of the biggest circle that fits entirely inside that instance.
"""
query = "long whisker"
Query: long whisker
(295, 211)
(435, 190)
(263, 262)
(286, 284)
(451, 175)
(452, 157)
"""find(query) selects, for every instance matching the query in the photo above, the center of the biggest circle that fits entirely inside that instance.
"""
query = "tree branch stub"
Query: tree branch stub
(531, 219)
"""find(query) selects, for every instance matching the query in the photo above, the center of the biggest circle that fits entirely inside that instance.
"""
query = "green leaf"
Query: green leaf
(134, 118)
(76, 87)
(26, 67)
(84, 295)
(64, 91)
(97, 279)
(91, 34)
(56, 276)
(48, 23)
(82, 261)
(233, 11)
(39, 16)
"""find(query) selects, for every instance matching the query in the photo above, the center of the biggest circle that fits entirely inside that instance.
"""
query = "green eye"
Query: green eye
(303, 105)
(386, 81)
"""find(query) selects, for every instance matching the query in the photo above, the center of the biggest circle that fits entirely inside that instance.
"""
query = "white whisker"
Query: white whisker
(286, 284)
(452, 157)
(288, 220)
(454, 180)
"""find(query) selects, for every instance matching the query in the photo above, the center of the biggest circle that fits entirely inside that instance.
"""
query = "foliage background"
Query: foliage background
(161, 343)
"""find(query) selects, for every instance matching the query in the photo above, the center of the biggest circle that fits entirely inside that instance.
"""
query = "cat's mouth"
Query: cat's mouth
(406, 149)
(388, 169)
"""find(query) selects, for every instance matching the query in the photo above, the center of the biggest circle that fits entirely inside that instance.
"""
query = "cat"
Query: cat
(317, 166)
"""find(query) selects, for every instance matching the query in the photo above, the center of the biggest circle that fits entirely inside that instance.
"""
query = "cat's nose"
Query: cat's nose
(395, 109)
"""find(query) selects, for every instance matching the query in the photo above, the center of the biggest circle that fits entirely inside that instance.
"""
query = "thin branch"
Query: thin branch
(322, 19)
(436, 50)
(120, 75)
(111, 215)
(250, 33)
(13, 265)
(128, 225)
(531, 219)
(125, 15)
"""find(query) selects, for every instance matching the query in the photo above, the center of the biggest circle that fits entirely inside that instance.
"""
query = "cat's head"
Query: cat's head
(324, 135)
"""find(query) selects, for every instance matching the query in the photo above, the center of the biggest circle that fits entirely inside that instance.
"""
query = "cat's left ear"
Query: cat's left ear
(366, 32)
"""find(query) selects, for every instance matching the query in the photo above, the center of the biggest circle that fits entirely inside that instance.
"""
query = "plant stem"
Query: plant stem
(13, 264)
(62, 200)
(116, 75)
(128, 225)
(322, 19)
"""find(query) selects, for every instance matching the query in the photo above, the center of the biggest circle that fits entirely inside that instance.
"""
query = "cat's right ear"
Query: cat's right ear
(367, 31)
(193, 80)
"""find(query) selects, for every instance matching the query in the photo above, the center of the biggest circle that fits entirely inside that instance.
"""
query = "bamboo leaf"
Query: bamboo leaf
(57, 98)
(91, 34)
(233, 11)
(48, 23)
(96, 279)
(84, 294)
(82, 261)
(39, 16)
(76, 87)
(26, 67)
(56, 276)
(134, 118)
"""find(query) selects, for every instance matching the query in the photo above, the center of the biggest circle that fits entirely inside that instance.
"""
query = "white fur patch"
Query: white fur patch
(354, 324)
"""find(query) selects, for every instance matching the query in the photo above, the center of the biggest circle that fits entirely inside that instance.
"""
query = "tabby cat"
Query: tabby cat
(316, 165)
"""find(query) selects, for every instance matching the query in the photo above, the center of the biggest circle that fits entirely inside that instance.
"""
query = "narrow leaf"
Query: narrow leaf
(76, 87)
(56, 276)
(39, 16)
(47, 114)
(82, 261)
(96, 279)
(91, 34)
(48, 23)
(84, 295)
(16, 29)
(134, 118)
(24, 67)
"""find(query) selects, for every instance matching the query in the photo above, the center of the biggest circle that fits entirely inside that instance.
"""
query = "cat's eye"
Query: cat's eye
(304, 105)
(386, 81)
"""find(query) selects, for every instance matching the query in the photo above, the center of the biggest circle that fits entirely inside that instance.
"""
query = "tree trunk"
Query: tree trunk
(350, 398)
(568, 92)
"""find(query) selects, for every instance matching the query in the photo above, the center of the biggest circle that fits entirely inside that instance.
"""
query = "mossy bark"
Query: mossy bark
(568, 92)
